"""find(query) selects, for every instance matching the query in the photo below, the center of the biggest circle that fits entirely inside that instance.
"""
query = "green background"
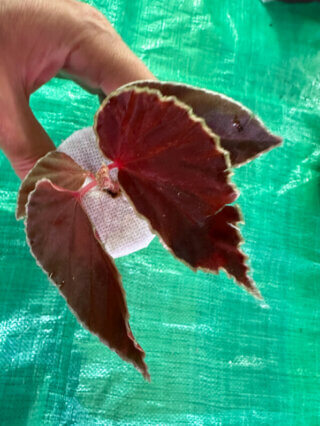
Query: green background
(216, 355)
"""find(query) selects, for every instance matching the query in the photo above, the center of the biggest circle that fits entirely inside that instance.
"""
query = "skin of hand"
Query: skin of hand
(40, 38)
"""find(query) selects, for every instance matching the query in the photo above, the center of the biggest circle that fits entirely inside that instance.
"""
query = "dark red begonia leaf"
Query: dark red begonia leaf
(170, 165)
(56, 166)
(242, 134)
(62, 239)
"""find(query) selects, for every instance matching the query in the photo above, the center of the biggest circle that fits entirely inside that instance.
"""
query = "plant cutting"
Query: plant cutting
(171, 147)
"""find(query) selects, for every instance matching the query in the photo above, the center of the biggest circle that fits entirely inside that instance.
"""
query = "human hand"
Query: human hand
(38, 38)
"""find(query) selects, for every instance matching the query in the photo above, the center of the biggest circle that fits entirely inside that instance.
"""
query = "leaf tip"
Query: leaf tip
(251, 288)
(19, 214)
(145, 373)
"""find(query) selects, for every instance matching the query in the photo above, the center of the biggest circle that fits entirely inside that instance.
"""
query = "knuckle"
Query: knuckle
(94, 22)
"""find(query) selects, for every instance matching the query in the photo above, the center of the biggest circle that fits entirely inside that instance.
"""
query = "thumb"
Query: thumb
(22, 138)
(100, 59)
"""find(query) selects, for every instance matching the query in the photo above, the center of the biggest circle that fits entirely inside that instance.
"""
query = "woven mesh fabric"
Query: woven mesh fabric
(215, 355)
(120, 229)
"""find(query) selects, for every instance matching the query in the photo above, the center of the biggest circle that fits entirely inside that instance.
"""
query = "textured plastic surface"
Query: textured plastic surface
(216, 356)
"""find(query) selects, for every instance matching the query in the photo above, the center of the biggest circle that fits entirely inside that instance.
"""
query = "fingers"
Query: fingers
(100, 58)
(35, 143)
(22, 138)
(67, 35)
(62, 74)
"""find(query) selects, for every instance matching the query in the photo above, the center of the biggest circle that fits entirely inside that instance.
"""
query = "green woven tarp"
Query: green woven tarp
(216, 355)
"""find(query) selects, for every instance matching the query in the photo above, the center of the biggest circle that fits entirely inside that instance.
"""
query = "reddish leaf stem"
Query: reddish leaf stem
(79, 194)
(87, 188)
(114, 165)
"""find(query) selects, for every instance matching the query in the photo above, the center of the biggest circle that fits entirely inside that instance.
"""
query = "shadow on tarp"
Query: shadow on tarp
(292, 17)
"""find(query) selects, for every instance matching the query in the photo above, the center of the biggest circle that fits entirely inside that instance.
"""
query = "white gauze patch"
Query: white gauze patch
(119, 227)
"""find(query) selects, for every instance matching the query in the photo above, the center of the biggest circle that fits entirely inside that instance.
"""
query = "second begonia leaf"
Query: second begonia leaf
(172, 168)
(63, 241)
(241, 133)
